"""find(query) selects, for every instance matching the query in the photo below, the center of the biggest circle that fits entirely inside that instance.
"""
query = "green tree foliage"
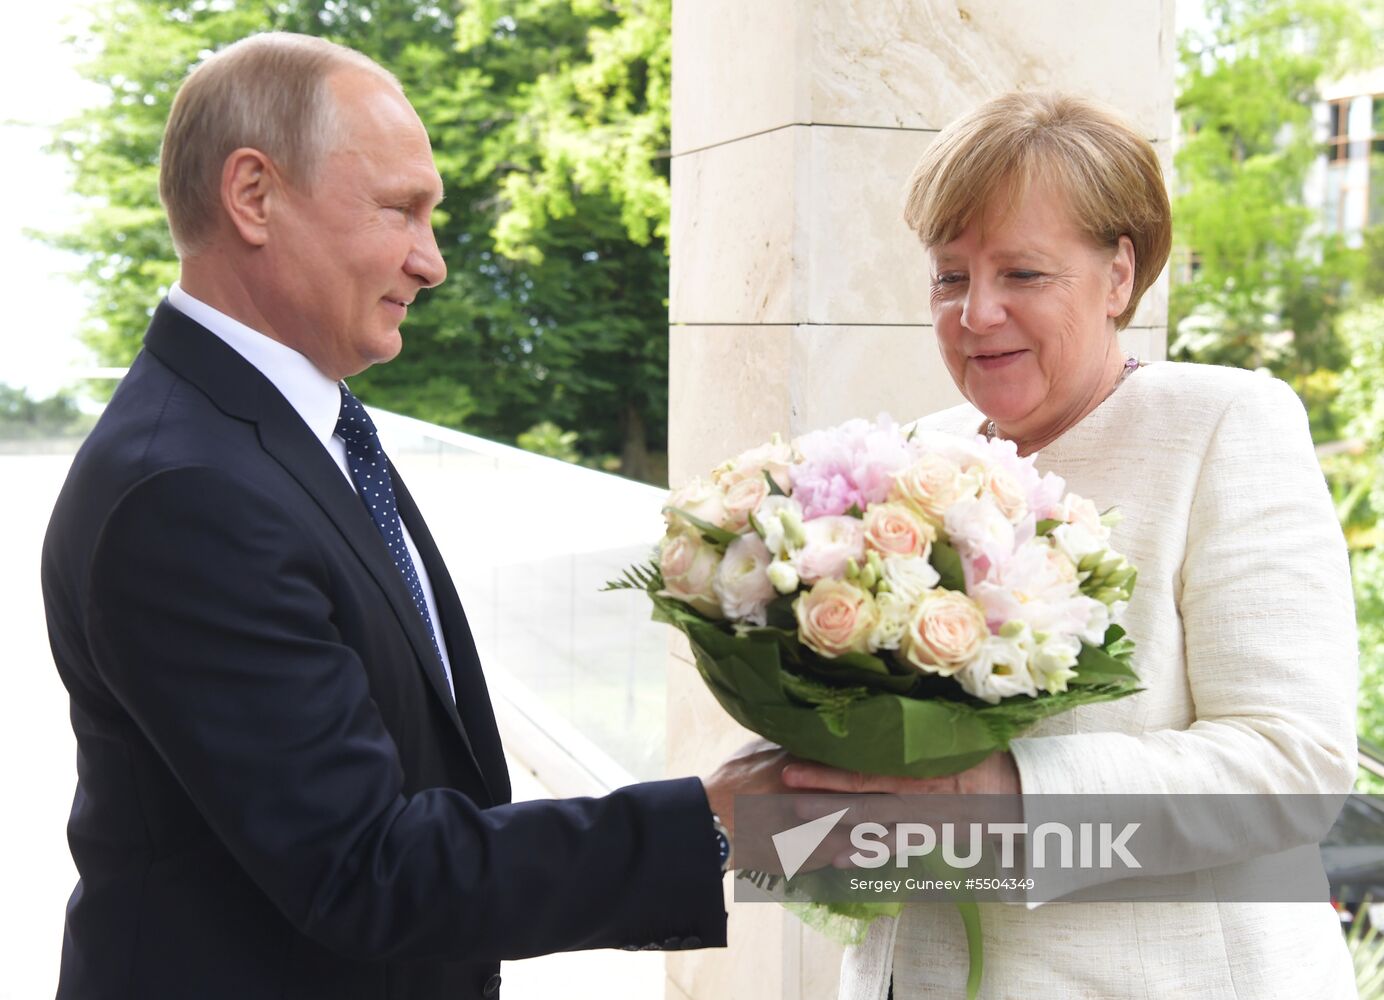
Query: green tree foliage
(1255, 282)
(22, 416)
(549, 121)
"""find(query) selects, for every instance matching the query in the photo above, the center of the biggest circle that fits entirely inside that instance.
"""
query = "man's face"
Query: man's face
(349, 252)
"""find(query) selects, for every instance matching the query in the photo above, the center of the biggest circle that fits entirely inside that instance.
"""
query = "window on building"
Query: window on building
(1338, 131)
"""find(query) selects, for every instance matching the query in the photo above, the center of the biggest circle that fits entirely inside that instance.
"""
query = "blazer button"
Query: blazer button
(492, 986)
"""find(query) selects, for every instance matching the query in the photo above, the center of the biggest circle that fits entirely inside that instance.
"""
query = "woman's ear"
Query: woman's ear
(1121, 278)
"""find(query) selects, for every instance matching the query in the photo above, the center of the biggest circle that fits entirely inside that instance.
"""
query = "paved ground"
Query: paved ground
(37, 770)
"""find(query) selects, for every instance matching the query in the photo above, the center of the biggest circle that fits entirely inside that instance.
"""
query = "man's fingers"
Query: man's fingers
(819, 777)
(825, 779)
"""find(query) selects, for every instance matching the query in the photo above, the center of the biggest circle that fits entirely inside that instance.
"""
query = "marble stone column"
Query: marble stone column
(799, 298)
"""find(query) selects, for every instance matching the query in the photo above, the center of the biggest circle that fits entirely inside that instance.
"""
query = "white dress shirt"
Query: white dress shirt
(315, 397)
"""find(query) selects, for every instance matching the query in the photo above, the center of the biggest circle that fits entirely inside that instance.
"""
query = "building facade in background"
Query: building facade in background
(1348, 182)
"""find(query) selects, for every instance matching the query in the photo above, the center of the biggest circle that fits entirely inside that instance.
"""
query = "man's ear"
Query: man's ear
(1121, 277)
(250, 187)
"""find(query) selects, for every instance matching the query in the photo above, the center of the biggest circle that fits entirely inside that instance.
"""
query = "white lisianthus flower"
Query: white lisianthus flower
(742, 580)
(783, 576)
(1097, 622)
(830, 545)
(1000, 669)
(1051, 662)
(910, 577)
(779, 521)
(895, 612)
(1076, 541)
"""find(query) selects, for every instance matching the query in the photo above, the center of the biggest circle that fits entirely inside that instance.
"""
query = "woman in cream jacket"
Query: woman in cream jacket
(1045, 218)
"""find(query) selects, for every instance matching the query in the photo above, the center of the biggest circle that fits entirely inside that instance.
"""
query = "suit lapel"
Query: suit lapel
(472, 694)
(239, 389)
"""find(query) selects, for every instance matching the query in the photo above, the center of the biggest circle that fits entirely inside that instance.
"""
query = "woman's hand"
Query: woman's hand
(995, 775)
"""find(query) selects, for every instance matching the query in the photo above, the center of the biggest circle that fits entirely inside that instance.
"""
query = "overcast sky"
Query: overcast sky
(38, 88)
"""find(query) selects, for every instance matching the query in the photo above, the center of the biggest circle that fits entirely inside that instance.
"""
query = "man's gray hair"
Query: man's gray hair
(267, 92)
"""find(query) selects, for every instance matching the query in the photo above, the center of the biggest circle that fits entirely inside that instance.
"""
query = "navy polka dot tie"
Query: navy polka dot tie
(366, 460)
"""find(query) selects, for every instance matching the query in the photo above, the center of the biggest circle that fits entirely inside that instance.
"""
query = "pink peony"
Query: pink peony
(848, 466)
(1038, 587)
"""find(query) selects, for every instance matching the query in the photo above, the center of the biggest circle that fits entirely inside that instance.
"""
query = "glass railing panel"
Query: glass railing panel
(530, 542)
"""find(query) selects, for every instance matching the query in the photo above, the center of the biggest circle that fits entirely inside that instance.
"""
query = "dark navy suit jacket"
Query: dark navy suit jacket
(277, 795)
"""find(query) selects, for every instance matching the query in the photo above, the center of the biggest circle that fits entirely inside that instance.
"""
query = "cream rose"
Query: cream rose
(946, 632)
(689, 566)
(773, 457)
(702, 500)
(836, 617)
(932, 484)
(894, 529)
(741, 500)
(1008, 495)
(742, 580)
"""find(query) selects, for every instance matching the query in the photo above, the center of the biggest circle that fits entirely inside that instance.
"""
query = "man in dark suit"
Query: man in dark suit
(290, 782)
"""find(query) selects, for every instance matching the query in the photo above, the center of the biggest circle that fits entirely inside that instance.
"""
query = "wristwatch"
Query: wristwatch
(722, 842)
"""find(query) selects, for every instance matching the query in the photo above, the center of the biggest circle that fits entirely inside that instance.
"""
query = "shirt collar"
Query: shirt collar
(315, 397)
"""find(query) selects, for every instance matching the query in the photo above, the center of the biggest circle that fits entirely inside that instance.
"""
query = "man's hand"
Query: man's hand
(757, 768)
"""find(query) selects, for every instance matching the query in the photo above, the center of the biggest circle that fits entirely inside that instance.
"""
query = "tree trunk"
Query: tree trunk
(634, 452)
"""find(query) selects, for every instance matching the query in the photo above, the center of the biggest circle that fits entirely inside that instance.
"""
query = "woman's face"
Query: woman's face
(1023, 306)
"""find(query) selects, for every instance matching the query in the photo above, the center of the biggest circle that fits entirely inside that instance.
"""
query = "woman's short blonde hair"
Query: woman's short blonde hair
(1107, 171)
(267, 92)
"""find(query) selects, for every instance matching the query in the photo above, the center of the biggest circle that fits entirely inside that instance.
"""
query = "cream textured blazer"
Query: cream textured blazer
(1246, 645)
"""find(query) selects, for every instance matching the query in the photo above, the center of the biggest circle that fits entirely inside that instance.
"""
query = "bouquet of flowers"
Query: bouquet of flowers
(890, 600)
